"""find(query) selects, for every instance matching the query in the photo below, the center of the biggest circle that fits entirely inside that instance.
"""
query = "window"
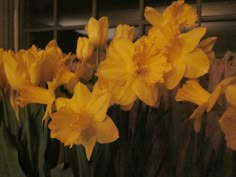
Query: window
(65, 20)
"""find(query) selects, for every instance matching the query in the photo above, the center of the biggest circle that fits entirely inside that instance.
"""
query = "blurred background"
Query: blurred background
(27, 22)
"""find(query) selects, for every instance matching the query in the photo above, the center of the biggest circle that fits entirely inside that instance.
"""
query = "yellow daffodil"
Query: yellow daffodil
(185, 58)
(33, 94)
(228, 119)
(15, 70)
(125, 31)
(134, 70)
(97, 31)
(207, 45)
(83, 120)
(84, 49)
(193, 92)
(219, 90)
(178, 13)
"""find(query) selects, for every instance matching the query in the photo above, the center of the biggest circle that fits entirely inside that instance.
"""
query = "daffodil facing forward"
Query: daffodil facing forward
(134, 70)
(83, 120)
(185, 57)
(193, 92)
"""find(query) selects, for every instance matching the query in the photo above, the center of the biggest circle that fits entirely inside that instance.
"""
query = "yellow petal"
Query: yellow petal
(124, 31)
(65, 102)
(121, 49)
(190, 40)
(213, 98)
(35, 94)
(81, 95)
(84, 49)
(88, 140)
(147, 93)
(193, 92)
(106, 131)
(124, 94)
(230, 94)
(13, 69)
(152, 16)
(112, 71)
(92, 29)
(173, 77)
(193, 61)
(98, 106)
(103, 24)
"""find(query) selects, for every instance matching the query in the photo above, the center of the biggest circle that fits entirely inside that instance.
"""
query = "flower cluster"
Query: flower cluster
(119, 71)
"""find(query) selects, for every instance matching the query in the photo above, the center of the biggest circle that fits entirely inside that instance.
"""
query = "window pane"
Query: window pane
(74, 12)
(38, 13)
(67, 40)
(120, 11)
(225, 31)
(40, 39)
(214, 7)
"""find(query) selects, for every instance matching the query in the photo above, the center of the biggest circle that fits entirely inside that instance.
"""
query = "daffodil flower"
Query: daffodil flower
(134, 70)
(83, 120)
(178, 13)
(185, 58)
(193, 92)
(84, 49)
(97, 31)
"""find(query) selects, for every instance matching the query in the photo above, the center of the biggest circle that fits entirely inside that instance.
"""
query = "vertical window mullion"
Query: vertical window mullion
(199, 11)
(55, 18)
(95, 8)
(141, 17)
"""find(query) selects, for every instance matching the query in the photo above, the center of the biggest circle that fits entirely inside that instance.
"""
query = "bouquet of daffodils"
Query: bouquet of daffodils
(66, 114)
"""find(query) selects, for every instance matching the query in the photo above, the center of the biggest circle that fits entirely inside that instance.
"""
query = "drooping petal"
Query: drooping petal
(190, 40)
(147, 93)
(173, 77)
(106, 131)
(197, 64)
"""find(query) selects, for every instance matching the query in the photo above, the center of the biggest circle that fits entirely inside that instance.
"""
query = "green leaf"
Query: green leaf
(9, 165)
